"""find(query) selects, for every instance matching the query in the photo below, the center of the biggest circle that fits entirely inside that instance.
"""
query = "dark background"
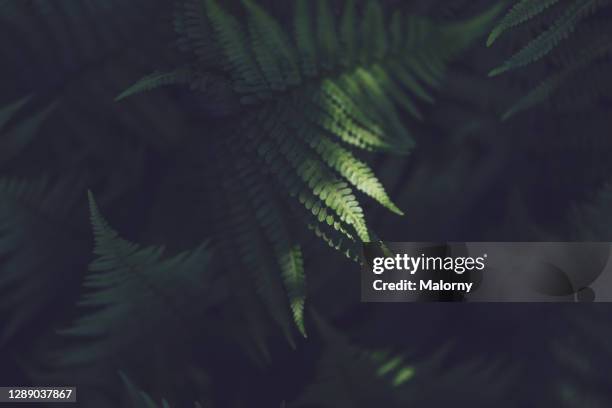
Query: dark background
(542, 175)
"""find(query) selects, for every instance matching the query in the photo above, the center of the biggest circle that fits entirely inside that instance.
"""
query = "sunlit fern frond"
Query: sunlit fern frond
(305, 97)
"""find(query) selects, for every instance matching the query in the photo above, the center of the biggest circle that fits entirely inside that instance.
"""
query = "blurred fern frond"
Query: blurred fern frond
(300, 99)
(140, 399)
(577, 34)
(521, 12)
(133, 292)
(348, 376)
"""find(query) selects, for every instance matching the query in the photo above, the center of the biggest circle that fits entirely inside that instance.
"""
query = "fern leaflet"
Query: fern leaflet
(521, 12)
(126, 283)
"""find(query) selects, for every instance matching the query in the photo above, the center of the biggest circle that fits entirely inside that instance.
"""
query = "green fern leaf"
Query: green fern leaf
(195, 32)
(374, 33)
(601, 46)
(521, 12)
(233, 43)
(349, 39)
(337, 113)
(349, 376)
(255, 235)
(157, 80)
(139, 398)
(343, 82)
(550, 38)
(272, 49)
(353, 170)
(292, 266)
(304, 38)
(127, 283)
(327, 36)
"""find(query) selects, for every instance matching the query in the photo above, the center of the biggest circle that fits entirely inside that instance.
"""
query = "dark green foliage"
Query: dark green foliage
(140, 399)
(132, 294)
(303, 100)
(593, 44)
(522, 11)
(265, 140)
(394, 380)
(36, 239)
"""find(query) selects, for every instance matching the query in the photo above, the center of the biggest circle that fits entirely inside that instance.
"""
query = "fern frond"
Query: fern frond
(349, 376)
(600, 46)
(233, 43)
(521, 12)
(254, 235)
(349, 39)
(590, 86)
(304, 38)
(337, 113)
(288, 255)
(157, 80)
(127, 284)
(374, 33)
(339, 242)
(312, 174)
(457, 36)
(353, 170)
(139, 398)
(304, 96)
(276, 55)
(550, 38)
(327, 37)
(195, 32)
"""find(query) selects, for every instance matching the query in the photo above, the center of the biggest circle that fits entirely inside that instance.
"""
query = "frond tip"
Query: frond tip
(128, 283)
(158, 80)
(521, 12)
(550, 38)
